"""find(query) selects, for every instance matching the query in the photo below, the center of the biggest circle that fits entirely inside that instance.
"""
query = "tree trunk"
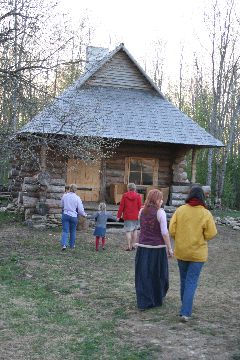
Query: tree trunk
(194, 169)
(209, 168)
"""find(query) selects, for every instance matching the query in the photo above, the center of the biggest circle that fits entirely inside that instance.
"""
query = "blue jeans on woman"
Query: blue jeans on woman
(189, 275)
(69, 224)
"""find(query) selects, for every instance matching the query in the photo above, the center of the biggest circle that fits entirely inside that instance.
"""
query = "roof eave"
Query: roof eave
(200, 146)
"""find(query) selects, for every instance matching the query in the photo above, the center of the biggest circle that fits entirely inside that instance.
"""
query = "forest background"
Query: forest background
(42, 51)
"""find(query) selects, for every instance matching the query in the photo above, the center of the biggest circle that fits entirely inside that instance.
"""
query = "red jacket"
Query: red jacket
(130, 205)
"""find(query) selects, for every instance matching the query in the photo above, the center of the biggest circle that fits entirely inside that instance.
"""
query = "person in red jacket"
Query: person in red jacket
(129, 208)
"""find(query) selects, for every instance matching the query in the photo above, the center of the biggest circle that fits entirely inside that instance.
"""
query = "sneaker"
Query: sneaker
(184, 319)
(64, 247)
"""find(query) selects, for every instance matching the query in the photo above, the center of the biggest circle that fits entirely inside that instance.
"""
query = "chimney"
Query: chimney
(94, 54)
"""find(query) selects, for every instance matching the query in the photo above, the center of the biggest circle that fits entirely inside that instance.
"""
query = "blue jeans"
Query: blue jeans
(189, 275)
(69, 224)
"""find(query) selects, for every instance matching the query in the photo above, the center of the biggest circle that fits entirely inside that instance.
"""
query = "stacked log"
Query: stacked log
(169, 210)
(179, 170)
(179, 194)
(39, 191)
(15, 180)
(18, 172)
(41, 199)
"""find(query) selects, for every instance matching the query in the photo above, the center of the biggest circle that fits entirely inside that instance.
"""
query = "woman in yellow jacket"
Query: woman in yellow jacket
(191, 226)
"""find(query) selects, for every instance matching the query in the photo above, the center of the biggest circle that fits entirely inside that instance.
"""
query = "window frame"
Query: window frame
(155, 169)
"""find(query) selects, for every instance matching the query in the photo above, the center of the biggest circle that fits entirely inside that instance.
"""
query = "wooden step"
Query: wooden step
(115, 224)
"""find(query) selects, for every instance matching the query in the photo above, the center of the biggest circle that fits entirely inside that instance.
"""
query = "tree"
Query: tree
(215, 105)
(225, 87)
(34, 47)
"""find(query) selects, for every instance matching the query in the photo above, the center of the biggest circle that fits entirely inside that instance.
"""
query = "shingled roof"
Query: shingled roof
(96, 107)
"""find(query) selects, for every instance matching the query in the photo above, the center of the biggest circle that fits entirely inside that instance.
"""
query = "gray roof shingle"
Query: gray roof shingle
(120, 113)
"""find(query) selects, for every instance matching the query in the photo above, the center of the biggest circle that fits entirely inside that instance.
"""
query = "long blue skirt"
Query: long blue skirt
(151, 277)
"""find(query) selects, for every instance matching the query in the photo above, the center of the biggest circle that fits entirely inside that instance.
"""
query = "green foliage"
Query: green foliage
(8, 218)
(200, 111)
(4, 167)
(231, 190)
(231, 193)
(201, 166)
(226, 212)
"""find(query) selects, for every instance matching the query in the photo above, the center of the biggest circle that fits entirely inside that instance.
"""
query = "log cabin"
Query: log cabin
(114, 99)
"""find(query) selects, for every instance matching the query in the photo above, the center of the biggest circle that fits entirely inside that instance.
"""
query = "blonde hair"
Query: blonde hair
(73, 188)
(102, 206)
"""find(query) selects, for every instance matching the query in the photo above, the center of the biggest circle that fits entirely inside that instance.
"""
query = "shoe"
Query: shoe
(64, 247)
(127, 249)
(133, 248)
(184, 319)
(103, 248)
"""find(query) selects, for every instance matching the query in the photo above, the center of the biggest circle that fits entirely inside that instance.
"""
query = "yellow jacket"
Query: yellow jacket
(191, 227)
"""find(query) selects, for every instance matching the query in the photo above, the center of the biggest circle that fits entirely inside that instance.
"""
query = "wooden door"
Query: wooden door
(86, 177)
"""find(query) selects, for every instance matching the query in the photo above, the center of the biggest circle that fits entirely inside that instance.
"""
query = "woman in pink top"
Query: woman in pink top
(154, 246)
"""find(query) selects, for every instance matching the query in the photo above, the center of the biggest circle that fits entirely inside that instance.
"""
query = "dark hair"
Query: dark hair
(196, 192)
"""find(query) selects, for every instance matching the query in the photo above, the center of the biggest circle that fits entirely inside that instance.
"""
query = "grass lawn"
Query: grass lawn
(226, 212)
(81, 304)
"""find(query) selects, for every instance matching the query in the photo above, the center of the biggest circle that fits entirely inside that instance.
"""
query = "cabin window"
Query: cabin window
(141, 171)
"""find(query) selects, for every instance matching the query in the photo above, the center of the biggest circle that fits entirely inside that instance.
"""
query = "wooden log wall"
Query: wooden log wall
(115, 167)
(39, 193)
(17, 173)
(179, 194)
